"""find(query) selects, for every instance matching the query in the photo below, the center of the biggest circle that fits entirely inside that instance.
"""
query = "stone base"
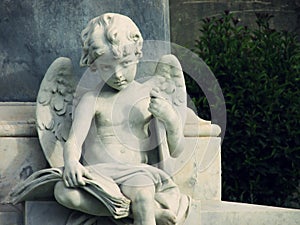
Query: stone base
(21, 157)
(231, 213)
(46, 213)
(201, 213)
(10, 218)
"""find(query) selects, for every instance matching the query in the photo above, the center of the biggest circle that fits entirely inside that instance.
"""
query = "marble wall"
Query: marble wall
(34, 33)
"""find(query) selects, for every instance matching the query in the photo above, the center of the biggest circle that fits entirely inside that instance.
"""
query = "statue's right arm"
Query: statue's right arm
(83, 115)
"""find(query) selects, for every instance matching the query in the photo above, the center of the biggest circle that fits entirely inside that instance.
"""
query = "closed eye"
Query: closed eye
(127, 63)
(106, 67)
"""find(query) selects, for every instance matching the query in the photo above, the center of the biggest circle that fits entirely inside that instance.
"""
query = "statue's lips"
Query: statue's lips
(119, 83)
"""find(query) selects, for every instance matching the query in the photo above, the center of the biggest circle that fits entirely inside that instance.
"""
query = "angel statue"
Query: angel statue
(106, 151)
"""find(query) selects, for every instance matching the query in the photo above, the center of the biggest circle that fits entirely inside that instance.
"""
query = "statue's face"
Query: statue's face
(117, 73)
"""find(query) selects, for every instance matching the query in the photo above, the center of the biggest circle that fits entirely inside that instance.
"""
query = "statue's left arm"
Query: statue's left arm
(168, 102)
(165, 112)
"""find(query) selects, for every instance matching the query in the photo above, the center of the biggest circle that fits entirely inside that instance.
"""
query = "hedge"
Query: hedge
(258, 70)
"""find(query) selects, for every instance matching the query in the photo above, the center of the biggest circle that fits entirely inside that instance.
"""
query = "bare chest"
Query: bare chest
(123, 113)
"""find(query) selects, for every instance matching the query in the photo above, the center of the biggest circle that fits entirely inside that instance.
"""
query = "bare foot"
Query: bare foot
(164, 217)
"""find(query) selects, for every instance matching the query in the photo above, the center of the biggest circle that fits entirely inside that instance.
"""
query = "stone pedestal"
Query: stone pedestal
(202, 212)
(198, 175)
(231, 213)
(20, 154)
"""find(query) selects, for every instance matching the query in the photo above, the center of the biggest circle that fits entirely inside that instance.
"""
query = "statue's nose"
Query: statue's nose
(118, 73)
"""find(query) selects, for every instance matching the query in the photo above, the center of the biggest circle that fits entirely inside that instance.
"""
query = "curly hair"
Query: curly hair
(110, 31)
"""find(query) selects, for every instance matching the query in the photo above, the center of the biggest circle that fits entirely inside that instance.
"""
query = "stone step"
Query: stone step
(11, 218)
(232, 213)
(201, 213)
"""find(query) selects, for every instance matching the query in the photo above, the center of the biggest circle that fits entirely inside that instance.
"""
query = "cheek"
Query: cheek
(105, 75)
(131, 72)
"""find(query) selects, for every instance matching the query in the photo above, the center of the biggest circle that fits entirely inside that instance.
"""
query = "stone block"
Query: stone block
(200, 175)
(230, 213)
(46, 213)
(49, 213)
(20, 157)
(200, 213)
(17, 119)
(198, 170)
(11, 218)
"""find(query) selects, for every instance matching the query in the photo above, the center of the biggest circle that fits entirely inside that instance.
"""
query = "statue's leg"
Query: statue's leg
(141, 193)
(77, 199)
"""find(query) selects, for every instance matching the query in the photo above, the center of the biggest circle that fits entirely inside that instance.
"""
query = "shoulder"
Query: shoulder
(86, 102)
(89, 96)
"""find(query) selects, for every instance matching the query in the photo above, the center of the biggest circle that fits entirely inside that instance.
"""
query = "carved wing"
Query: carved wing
(169, 79)
(54, 109)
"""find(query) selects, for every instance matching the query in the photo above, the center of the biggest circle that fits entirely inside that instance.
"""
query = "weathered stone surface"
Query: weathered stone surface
(200, 177)
(11, 214)
(17, 119)
(230, 213)
(11, 218)
(201, 213)
(20, 157)
(49, 213)
(34, 33)
(45, 212)
(185, 16)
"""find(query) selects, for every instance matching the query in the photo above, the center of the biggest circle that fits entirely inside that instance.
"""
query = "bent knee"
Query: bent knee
(143, 196)
(69, 197)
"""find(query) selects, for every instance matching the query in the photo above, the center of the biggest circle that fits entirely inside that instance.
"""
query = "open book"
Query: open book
(41, 184)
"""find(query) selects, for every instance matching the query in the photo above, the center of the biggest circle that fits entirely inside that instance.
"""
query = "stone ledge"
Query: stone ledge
(19, 129)
(231, 213)
(201, 213)
(17, 119)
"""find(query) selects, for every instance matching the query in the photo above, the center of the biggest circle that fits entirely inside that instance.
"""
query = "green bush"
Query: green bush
(258, 70)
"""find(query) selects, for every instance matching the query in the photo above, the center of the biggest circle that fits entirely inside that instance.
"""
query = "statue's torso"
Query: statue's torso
(121, 122)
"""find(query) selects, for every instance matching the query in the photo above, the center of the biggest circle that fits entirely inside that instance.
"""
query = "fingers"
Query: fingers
(76, 178)
(80, 181)
(80, 177)
(68, 181)
(87, 174)
(153, 108)
(65, 179)
(158, 106)
(155, 93)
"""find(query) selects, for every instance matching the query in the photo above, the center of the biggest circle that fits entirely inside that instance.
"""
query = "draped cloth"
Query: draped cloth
(167, 194)
(105, 186)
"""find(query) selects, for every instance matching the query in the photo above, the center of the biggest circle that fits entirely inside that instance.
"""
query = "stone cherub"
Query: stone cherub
(122, 112)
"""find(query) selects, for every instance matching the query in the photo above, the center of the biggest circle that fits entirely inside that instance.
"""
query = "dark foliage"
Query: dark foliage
(258, 70)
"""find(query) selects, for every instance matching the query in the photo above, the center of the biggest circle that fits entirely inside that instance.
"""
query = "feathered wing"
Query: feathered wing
(169, 79)
(54, 109)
